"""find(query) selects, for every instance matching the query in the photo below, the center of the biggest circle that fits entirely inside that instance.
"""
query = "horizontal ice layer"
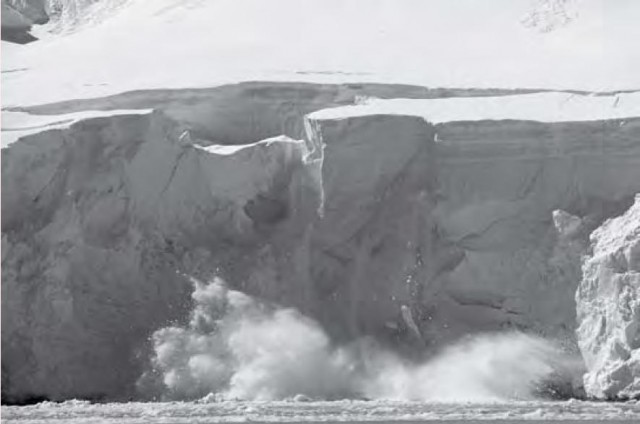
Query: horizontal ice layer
(20, 124)
(543, 107)
(608, 301)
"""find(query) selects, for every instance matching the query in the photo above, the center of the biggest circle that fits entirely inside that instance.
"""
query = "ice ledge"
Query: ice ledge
(542, 107)
(21, 124)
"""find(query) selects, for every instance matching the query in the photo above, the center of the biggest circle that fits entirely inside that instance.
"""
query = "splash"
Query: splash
(235, 347)
(482, 368)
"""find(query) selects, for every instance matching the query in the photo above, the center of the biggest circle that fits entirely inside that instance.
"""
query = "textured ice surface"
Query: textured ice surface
(609, 308)
(301, 411)
(92, 229)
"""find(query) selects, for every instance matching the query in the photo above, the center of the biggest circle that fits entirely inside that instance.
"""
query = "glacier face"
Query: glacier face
(410, 230)
(499, 180)
(98, 222)
(608, 301)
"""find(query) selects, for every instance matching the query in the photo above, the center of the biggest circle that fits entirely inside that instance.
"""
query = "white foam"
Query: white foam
(240, 348)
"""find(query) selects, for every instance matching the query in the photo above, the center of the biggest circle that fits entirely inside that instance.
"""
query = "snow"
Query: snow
(176, 44)
(609, 308)
(543, 107)
(230, 150)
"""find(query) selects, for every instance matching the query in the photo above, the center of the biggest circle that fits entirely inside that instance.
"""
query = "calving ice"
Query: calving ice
(240, 348)
(193, 212)
(365, 217)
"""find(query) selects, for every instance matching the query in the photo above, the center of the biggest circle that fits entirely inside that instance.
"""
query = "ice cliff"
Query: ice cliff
(608, 301)
(415, 222)
(98, 222)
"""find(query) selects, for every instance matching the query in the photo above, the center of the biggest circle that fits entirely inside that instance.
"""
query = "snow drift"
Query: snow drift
(412, 228)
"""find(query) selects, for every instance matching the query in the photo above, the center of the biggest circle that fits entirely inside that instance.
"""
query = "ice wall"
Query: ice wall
(372, 241)
(99, 220)
(500, 181)
(411, 230)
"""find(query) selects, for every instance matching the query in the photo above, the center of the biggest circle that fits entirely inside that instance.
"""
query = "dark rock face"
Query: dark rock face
(19, 15)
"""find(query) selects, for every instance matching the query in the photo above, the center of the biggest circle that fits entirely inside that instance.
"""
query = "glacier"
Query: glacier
(261, 209)
(413, 222)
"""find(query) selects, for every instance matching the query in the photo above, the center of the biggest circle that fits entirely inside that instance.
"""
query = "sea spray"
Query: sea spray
(236, 347)
(245, 349)
(478, 368)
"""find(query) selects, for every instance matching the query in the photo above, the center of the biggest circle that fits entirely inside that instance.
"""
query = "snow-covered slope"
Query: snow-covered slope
(117, 46)
(609, 308)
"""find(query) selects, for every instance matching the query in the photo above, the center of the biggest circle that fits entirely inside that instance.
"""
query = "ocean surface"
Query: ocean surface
(327, 412)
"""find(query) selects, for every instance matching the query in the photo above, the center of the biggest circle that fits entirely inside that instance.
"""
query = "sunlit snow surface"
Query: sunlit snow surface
(543, 107)
(339, 411)
(119, 45)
